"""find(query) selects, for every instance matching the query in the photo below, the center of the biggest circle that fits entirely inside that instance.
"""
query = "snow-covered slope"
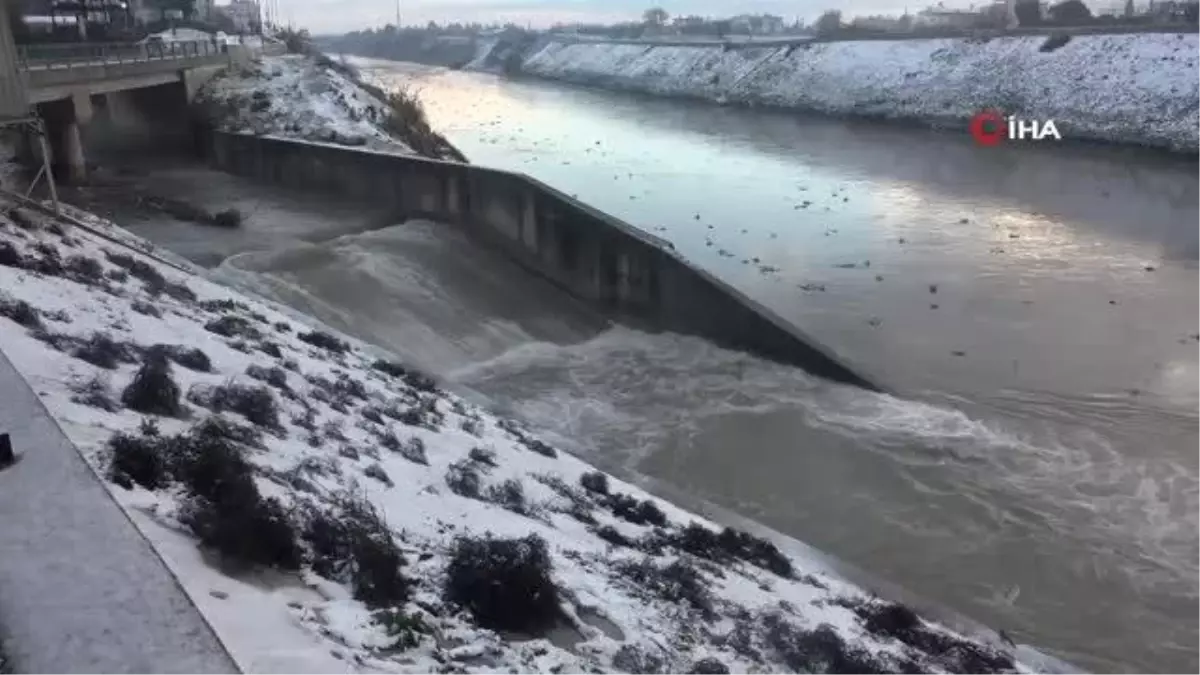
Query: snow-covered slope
(310, 98)
(294, 96)
(1140, 88)
(369, 521)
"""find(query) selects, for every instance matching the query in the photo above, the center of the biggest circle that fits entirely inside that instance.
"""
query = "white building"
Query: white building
(945, 18)
(146, 11)
(245, 14)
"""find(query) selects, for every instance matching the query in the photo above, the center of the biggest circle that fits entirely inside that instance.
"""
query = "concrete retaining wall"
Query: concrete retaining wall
(617, 268)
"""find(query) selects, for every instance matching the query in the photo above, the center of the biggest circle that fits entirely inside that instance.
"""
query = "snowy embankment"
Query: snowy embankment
(1139, 89)
(330, 510)
(316, 99)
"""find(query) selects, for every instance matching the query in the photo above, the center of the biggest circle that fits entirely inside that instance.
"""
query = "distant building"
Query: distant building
(940, 17)
(890, 24)
(144, 11)
(246, 15)
(204, 10)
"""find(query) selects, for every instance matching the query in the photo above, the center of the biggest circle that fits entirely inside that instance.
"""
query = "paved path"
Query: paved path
(80, 589)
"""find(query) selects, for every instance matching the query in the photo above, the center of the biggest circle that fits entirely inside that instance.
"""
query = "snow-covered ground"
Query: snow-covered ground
(297, 96)
(397, 514)
(1139, 88)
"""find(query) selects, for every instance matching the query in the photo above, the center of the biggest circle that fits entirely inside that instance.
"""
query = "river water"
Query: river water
(1034, 308)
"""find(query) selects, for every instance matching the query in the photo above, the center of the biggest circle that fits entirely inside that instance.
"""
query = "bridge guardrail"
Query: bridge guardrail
(55, 56)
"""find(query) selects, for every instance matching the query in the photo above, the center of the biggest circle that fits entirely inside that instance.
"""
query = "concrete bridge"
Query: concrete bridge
(125, 90)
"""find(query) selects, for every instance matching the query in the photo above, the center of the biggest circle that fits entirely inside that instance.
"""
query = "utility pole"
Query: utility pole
(397, 14)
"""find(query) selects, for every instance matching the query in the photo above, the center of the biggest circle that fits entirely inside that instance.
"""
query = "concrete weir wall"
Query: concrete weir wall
(619, 269)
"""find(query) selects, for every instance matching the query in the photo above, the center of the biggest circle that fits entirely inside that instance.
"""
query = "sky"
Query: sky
(336, 16)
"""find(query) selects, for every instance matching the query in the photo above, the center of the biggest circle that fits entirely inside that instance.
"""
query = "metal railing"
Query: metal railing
(55, 56)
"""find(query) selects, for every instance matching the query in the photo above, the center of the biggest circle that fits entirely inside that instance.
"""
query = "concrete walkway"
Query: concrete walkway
(80, 589)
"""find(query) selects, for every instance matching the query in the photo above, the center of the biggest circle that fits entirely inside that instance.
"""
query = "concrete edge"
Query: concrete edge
(851, 375)
(83, 589)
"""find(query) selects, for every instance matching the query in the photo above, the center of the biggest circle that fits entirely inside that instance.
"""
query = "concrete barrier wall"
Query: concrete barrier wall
(619, 269)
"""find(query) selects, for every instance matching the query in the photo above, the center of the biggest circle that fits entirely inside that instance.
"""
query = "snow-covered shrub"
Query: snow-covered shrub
(389, 440)
(470, 426)
(678, 582)
(20, 312)
(95, 393)
(376, 471)
(709, 666)
(153, 391)
(578, 504)
(254, 403)
(48, 261)
(233, 326)
(952, 653)
(372, 414)
(613, 536)
(192, 358)
(412, 377)
(146, 308)
(138, 268)
(138, 459)
(274, 376)
(594, 481)
(333, 431)
(103, 351)
(392, 368)
(509, 494)
(414, 451)
(528, 441)
(482, 456)
(638, 512)
(505, 584)
(339, 394)
(820, 650)
(324, 340)
(463, 480)
(10, 256)
(634, 659)
(354, 544)
(225, 509)
(84, 269)
(270, 349)
(222, 305)
(731, 544)
(404, 629)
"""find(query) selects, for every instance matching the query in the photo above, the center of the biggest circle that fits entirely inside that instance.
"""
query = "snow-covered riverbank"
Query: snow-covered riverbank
(367, 520)
(1138, 89)
(318, 99)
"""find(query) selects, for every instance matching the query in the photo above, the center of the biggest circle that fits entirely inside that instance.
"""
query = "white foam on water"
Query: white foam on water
(627, 392)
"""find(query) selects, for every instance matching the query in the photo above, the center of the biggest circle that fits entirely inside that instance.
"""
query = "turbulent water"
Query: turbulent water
(1036, 311)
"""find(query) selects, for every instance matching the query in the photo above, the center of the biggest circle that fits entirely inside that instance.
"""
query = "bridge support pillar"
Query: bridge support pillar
(63, 118)
(71, 158)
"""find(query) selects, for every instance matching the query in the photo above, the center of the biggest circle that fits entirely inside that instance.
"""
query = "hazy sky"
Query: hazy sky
(335, 16)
